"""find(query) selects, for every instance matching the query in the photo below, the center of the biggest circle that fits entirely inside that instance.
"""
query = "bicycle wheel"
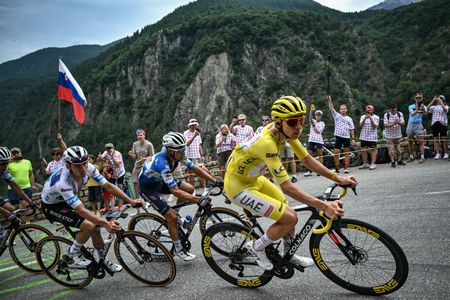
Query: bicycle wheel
(51, 255)
(144, 258)
(239, 267)
(360, 257)
(22, 246)
(153, 225)
(220, 215)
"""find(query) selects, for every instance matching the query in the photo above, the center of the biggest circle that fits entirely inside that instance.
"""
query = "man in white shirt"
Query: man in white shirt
(393, 120)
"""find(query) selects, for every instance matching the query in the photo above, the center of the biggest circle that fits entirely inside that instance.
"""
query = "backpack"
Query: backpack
(388, 114)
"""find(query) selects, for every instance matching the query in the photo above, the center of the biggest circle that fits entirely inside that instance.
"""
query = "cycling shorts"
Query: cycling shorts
(153, 197)
(261, 197)
(62, 213)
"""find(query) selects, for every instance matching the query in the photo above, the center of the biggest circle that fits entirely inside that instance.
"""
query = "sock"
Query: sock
(178, 246)
(262, 242)
(100, 254)
(75, 248)
(422, 156)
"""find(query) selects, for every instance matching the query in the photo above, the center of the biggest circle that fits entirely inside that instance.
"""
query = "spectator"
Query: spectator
(57, 162)
(22, 173)
(242, 131)
(94, 190)
(415, 127)
(439, 123)
(288, 159)
(369, 137)
(264, 120)
(194, 149)
(56, 153)
(343, 129)
(315, 140)
(140, 151)
(225, 142)
(393, 120)
(115, 160)
(107, 172)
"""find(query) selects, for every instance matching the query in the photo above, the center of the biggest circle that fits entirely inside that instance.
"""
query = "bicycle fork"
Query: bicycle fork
(346, 247)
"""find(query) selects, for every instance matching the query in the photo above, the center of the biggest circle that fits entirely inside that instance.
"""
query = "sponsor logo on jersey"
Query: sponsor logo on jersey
(268, 155)
(66, 190)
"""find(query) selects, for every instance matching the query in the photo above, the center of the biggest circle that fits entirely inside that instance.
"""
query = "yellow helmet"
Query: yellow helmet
(288, 107)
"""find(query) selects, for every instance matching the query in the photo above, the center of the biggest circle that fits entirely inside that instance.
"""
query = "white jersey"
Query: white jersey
(61, 187)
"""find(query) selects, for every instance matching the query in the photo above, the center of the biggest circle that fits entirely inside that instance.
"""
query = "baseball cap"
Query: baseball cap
(15, 149)
(442, 97)
(192, 122)
(109, 145)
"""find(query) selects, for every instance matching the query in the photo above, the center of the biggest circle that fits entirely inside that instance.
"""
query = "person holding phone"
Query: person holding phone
(439, 122)
(369, 137)
(225, 142)
(415, 128)
(194, 149)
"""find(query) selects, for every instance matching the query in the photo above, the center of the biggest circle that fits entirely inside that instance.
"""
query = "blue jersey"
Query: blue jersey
(416, 119)
(6, 176)
(158, 171)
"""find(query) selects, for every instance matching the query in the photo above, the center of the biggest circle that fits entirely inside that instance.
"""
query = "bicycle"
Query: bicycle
(157, 227)
(20, 237)
(142, 256)
(353, 254)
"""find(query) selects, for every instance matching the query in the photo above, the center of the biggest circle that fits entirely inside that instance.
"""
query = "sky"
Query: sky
(29, 25)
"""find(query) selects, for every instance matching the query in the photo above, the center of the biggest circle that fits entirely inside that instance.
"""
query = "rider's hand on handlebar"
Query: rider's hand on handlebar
(113, 226)
(12, 217)
(334, 209)
(347, 181)
(204, 202)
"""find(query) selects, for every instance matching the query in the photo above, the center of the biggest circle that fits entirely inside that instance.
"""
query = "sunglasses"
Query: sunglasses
(179, 151)
(265, 120)
(418, 97)
(293, 122)
(56, 154)
(241, 120)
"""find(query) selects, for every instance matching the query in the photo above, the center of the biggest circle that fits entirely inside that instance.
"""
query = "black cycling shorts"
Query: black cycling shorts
(62, 213)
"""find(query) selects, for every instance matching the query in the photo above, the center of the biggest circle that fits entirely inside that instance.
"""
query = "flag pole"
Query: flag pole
(328, 75)
(59, 115)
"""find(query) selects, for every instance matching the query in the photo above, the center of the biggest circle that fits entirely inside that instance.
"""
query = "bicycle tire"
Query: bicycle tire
(22, 246)
(220, 215)
(243, 271)
(157, 267)
(153, 225)
(51, 255)
(378, 258)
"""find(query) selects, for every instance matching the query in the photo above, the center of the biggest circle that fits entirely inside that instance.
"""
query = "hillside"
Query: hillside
(238, 58)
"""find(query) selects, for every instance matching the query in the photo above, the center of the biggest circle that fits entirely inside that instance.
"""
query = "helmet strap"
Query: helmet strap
(279, 125)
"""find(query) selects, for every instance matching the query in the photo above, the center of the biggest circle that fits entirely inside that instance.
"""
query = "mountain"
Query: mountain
(43, 63)
(211, 60)
(391, 4)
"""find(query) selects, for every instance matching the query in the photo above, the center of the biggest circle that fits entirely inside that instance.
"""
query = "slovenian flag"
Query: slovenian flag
(70, 91)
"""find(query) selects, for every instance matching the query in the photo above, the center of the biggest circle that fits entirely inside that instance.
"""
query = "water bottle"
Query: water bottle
(185, 221)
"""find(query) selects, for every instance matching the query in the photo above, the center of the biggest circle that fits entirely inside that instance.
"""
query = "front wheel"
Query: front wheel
(360, 257)
(233, 262)
(144, 258)
(51, 255)
(22, 246)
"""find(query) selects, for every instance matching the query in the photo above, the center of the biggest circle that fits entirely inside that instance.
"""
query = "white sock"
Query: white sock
(178, 246)
(76, 247)
(262, 242)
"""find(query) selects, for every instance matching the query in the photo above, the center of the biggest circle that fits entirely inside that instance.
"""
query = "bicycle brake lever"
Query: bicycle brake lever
(354, 190)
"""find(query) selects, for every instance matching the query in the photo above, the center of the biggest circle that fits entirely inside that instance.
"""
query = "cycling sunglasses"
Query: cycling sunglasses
(179, 151)
(293, 122)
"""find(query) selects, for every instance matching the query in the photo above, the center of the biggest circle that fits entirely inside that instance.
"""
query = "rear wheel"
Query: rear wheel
(360, 257)
(220, 215)
(23, 244)
(233, 262)
(144, 258)
(51, 255)
(153, 225)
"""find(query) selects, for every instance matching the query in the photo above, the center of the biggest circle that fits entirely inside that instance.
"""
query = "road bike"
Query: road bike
(142, 256)
(21, 240)
(157, 227)
(353, 254)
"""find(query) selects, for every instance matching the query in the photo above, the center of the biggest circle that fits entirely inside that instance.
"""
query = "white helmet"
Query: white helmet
(174, 140)
(5, 154)
(75, 155)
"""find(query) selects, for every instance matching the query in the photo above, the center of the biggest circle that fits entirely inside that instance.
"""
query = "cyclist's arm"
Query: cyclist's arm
(118, 193)
(179, 193)
(19, 192)
(4, 211)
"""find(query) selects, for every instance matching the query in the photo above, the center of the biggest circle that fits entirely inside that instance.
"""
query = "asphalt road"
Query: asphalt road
(411, 203)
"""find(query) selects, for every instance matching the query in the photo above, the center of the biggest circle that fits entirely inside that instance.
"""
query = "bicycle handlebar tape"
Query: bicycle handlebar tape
(326, 227)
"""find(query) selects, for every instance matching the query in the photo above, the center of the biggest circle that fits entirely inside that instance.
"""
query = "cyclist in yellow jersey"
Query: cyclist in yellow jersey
(246, 187)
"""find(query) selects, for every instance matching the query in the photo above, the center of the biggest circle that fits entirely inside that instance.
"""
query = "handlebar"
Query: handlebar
(327, 196)
(213, 190)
